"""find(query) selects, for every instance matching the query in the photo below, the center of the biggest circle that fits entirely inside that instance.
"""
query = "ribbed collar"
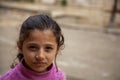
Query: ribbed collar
(32, 74)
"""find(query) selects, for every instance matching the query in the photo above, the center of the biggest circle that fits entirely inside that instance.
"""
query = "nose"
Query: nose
(40, 55)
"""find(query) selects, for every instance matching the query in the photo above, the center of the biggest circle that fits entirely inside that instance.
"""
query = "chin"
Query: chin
(40, 70)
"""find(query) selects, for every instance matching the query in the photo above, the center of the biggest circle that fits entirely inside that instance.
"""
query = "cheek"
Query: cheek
(28, 55)
(52, 57)
(49, 56)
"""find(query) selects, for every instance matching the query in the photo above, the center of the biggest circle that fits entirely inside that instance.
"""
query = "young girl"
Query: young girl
(39, 42)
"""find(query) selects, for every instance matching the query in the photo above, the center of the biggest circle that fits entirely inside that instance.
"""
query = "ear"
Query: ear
(19, 47)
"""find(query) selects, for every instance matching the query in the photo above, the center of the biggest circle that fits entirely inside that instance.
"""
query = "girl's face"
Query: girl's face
(39, 50)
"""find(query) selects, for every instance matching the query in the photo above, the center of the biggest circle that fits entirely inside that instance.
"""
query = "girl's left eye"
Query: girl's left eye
(48, 49)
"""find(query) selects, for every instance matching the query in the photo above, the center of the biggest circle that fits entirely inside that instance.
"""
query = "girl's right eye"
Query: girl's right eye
(33, 48)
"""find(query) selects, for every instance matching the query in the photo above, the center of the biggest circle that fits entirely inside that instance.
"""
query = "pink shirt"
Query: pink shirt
(22, 73)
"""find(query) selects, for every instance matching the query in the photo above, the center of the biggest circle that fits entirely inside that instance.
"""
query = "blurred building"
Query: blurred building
(92, 12)
(81, 12)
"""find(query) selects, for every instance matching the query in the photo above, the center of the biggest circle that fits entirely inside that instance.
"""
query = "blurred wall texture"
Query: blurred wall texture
(94, 12)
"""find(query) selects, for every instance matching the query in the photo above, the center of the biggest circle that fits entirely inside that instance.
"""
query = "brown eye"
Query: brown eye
(33, 48)
(48, 49)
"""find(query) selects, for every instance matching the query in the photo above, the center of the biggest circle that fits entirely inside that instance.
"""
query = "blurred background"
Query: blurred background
(91, 29)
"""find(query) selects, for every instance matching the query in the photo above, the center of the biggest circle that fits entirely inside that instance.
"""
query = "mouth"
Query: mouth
(39, 63)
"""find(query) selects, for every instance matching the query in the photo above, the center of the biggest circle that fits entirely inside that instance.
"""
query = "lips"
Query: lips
(40, 63)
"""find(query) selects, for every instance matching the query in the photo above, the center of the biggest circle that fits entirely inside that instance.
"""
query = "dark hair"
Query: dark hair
(40, 22)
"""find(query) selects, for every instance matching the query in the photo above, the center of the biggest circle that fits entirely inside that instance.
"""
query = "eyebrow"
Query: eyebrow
(48, 43)
(32, 44)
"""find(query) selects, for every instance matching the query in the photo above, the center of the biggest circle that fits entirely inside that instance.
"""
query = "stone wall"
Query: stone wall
(95, 12)
(46, 1)
(99, 12)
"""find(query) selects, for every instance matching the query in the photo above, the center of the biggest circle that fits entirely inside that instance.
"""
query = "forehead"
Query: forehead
(42, 36)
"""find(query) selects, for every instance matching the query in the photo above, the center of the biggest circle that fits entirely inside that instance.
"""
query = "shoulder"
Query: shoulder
(7, 75)
(60, 75)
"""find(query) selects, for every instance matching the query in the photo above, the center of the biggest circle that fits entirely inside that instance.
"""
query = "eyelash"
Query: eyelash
(48, 49)
(33, 48)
